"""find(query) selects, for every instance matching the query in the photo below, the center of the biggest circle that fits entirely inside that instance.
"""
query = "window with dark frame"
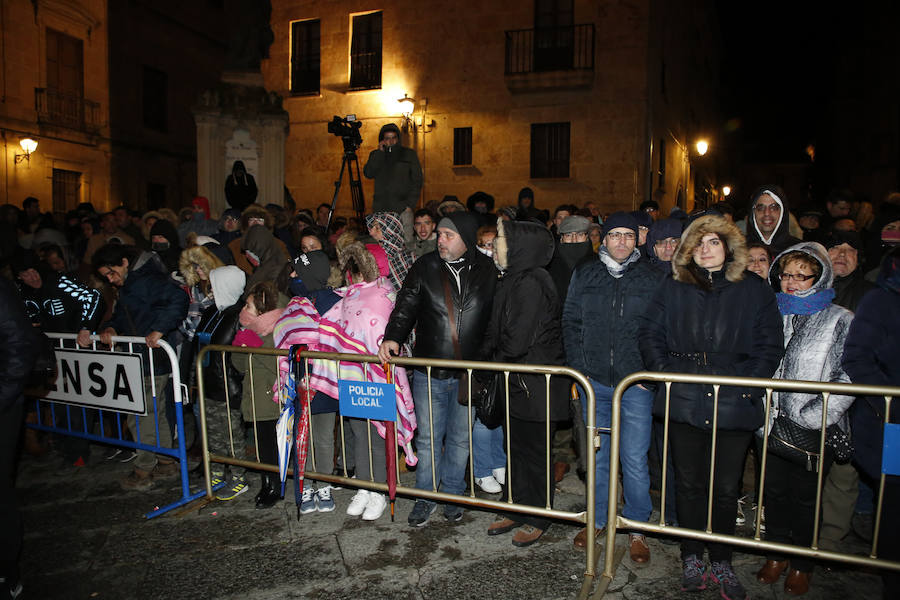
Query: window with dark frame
(66, 185)
(365, 52)
(305, 57)
(156, 195)
(155, 99)
(549, 150)
(462, 146)
(65, 63)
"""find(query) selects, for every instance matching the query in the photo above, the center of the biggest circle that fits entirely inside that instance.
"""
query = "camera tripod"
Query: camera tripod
(350, 163)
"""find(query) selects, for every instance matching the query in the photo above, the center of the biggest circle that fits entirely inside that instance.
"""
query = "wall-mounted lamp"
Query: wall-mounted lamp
(28, 146)
(407, 106)
(702, 147)
(726, 190)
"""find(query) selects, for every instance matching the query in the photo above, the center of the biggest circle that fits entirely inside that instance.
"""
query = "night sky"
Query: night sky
(778, 69)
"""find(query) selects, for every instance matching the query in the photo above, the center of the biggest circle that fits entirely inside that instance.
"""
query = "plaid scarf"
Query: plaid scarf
(399, 258)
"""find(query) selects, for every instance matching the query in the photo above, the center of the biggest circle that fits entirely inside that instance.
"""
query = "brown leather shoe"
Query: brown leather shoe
(797, 582)
(581, 538)
(526, 535)
(639, 550)
(771, 571)
(559, 471)
(501, 526)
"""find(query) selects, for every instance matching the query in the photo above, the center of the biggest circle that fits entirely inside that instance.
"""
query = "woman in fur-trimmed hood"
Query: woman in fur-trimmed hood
(710, 318)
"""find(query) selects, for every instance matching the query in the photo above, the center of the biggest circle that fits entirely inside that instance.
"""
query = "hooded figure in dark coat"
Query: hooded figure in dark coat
(397, 174)
(527, 332)
(240, 187)
(264, 253)
(768, 219)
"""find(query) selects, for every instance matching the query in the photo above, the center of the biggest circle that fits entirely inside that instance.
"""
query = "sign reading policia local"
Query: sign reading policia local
(105, 380)
(367, 400)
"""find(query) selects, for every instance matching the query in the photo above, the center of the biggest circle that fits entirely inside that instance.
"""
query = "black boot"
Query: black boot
(268, 493)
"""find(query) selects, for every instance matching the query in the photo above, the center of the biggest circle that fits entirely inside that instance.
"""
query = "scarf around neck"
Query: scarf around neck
(263, 324)
(615, 268)
(789, 304)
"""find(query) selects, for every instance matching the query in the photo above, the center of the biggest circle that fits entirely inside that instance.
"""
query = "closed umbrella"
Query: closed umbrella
(390, 448)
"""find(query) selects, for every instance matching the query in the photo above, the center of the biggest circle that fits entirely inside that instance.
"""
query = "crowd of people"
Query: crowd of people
(753, 290)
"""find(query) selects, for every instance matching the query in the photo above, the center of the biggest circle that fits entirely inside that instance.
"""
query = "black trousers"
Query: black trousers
(528, 472)
(10, 518)
(790, 500)
(691, 450)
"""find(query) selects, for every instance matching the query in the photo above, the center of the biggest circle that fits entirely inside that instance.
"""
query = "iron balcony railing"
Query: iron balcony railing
(567, 48)
(66, 110)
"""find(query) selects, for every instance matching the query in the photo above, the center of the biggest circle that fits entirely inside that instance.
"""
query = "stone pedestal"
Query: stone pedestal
(240, 120)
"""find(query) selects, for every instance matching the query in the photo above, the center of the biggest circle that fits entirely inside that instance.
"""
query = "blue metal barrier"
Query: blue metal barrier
(63, 426)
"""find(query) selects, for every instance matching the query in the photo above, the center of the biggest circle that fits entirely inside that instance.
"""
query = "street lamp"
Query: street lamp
(726, 190)
(28, 146)
(702, 147)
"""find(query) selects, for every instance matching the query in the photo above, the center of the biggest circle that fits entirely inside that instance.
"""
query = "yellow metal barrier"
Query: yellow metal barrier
(614, 521)
(585, 518)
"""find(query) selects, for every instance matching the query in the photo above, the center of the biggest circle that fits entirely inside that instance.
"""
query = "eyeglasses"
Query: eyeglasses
(797, 277)
(761, 208)
(668, 242)
(618, 235)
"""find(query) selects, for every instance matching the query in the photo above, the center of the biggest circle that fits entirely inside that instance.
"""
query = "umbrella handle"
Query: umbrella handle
(388, 372)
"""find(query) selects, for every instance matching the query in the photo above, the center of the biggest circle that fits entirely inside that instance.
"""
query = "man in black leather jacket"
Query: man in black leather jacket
(447, 296)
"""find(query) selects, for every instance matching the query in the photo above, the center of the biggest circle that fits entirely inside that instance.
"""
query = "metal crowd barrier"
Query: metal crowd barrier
(615, 521)
(470, 500)
(92, 380)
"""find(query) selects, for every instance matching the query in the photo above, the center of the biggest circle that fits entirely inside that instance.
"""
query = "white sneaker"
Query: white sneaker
(374, 507)
(358, 503)
(488, 484)
(500, 475)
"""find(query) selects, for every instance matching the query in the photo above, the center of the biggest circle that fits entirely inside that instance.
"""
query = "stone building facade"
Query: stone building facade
(54, 89)
(580, 100)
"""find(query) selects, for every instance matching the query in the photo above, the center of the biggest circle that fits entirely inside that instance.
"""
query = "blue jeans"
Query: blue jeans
(451, 435)
(487, 446)
(634, 442)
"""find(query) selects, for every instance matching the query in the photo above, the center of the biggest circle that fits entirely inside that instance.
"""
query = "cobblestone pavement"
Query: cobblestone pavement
(87, 538)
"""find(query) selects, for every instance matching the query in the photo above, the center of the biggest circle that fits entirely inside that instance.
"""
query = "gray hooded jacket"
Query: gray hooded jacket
(813, 347)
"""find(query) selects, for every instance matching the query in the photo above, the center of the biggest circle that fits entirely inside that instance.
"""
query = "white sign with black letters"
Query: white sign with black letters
(107, 380)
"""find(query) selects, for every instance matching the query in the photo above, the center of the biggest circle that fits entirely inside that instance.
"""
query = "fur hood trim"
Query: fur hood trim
(364, 260)
(197, 255)
(735, 262)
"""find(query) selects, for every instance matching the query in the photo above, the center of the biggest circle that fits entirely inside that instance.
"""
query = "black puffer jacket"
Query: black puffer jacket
(421, 302)
(732, 327)
(222, 325)
(527, 332)
(600, 319)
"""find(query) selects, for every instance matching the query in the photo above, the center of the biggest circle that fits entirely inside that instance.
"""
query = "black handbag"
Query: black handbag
(487, 400)
(794, 443)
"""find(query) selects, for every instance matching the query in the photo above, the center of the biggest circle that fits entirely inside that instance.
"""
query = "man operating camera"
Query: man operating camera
(398, 177)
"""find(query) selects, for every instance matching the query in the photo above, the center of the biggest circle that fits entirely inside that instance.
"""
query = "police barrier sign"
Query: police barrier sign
(367, 400)
(107, 380)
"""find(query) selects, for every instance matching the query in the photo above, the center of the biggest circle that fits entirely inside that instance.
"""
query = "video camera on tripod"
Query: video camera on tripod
(348, 130)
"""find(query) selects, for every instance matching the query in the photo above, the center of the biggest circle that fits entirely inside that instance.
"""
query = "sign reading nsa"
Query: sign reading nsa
(106, 380)
(367, 400)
